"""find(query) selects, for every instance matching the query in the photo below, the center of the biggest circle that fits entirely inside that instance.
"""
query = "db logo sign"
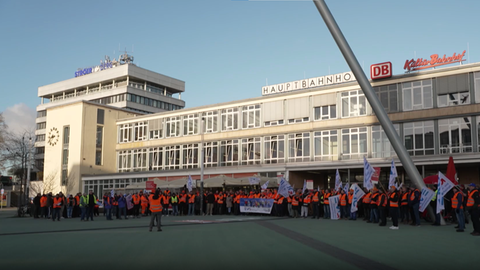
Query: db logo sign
(381, 70)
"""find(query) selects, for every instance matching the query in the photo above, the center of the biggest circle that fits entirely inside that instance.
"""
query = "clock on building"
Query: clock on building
(53, 136)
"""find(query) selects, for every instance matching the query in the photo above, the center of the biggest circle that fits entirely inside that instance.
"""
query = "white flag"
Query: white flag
(304, 186)
(334, 207)
(284, 188)
(189, 183)
(367, 174)
(112, 193)
(254, 180)
(444, 186)
(346, 187)
(393, 175)
(425, 198)
(265, 186)
(358, 193)
(338, 181)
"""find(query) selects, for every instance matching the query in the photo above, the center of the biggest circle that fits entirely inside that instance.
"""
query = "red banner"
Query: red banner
(376, 175)
(151, 186)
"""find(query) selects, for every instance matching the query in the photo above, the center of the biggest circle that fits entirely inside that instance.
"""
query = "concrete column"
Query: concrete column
(179, 95)
(145, 86)
(75, 92)
(165, 91)
(86, 93)
(42, 100)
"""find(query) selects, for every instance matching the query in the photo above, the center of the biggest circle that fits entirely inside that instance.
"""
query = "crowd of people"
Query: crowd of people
(374, 207)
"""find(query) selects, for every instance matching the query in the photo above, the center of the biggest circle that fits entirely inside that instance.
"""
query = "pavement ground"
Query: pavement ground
(231, 242)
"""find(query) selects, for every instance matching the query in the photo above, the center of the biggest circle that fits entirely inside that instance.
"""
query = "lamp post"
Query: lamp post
(201, 165)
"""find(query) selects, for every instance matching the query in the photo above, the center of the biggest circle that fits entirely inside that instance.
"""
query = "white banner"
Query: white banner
(393, 175)
(358, 193)
(263, 206)
(338, 181)
(367, 174)
(334, 207)
(444, 186)
(425, 198)
(254, 180)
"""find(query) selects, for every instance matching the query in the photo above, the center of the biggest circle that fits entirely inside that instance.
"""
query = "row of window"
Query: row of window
(138, 99)
(100, 186)
(451, 91)
(454, 136)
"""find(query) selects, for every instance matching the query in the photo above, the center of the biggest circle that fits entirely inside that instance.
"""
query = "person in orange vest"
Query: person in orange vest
(343, 204)
(367, 198)
(413, 202)
(156, 208)
(473, 205)
(136, 198)
(57, 205)
(295, 204)
(43, 206)
(382, 204)
(275, 197)
(316, 204)
(393, 199)
(76, 208)
(183, 205)
(307, 199)
(165, 202)
(281, 206)
(191, 203)
(404, 209)
(289, 206)
(457, 206)
(374, 206)
(144, 204)
(326, 204)
(220, 201)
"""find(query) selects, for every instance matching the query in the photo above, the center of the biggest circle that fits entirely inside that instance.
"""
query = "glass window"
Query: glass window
(353, 104)
(211, 121)
(66, 135)
(100, 116)
(190, 156)
(325, 112)
(455, 135)
(326, 145)
(155, 158)
(190, 124)
(274, 149)
(299, 147)
(126, 133)
(139, 160)
(173, 126)
(388, 96)
(417, 95)
(230, 119)
(140, 131)
(419, 138)
(251, 116)
(354, 143)
(381, 147)
(229, 153)
(251, 151)
(172, 157)
(124, 161)
(210, 154)
(155, 128)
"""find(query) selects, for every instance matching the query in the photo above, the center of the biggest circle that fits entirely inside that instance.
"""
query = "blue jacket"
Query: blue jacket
(121, 202)
(106, 204)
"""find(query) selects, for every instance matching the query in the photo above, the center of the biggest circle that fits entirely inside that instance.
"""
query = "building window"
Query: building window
(353, 104)
(381, 147)
(126, 133)
(417, 95)
(273, 123)
(65, 157)
(139, 160)
(251, 116)
(39, 150)
(326, 145)
(190, 124)
(40, 138)
(419, 138)
(100, 116)
(455, 135)
(299, 147)
(42, 125)
(155, 158)
(230, 119)
(325, 112)
(66, 135)
(64, 177)
(41, 114)
(173, 126)
(172, 157)
(388, 96)
(99, 146)
(210, 154)
(274, 149)
(124, 161)
(229, 153)
(190, 156)
(298, 120)
(140, 131)
(211, 122)
(354, 143)
(155, 128)
(453, 90)
(251, 151)
(476, 79)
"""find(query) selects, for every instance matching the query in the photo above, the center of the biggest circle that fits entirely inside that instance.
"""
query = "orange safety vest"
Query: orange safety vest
(43, 201)
(325, 198)
(136, 199)
(56, 201)
(374, 199)
(379, 201)
(155, 205)
(307, 199)
(77, 199)
(68, 201)
(404, 199)
(343, 200)
(294, 202)
(289, 199)
(455, 201)
(166, 199)
(471, 201)
(280, 200)
(220, 199)
(145, 200)
(191, 199)
(183, 198)
(315, 197)
(350, 198)
(412, 195)
(367, 198)
(393, 204)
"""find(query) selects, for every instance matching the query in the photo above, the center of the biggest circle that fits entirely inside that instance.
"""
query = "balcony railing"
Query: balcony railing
(456, 148)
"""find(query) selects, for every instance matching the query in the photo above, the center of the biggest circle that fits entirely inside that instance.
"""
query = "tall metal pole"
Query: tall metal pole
(201, 166)
(369, 93)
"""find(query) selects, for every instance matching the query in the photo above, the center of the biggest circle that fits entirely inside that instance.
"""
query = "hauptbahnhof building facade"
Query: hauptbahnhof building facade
(307, 129)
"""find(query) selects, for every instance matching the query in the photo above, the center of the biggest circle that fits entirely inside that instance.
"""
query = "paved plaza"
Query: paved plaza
(231, 242)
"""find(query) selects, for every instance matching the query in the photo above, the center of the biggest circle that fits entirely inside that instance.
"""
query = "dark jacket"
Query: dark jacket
(210, 198)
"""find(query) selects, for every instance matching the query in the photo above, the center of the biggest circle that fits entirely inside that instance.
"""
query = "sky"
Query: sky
(224, 50)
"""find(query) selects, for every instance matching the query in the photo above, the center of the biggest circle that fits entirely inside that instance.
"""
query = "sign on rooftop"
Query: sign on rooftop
(105, 64)
(308, 83)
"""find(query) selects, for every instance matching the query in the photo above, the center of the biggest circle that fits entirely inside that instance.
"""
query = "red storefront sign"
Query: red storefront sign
(381, 70)
(150, 186)
(435, 60)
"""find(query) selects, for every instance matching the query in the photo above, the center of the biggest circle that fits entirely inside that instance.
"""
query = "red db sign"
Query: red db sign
(381, 70)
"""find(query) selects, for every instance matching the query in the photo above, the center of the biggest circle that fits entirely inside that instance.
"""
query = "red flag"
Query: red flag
(451, 172)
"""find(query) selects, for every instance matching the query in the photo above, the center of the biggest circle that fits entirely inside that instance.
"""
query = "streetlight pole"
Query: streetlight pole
(201, 165)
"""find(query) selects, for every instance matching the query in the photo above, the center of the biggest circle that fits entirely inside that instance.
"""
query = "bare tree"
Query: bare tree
(45, 186)
(69, 184)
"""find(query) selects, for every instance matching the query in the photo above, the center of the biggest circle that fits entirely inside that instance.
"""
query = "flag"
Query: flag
(334, 207)
(338, 181)
(367, 174)
(393, 175)
(346, 187)
(112, 193)
(304, 186)
(451, 172)
(265, 186)
(358, 193)
(284, 188)
(189, 183)
(129, 202)
(254, 180)
(444, 186)
(425, 198)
